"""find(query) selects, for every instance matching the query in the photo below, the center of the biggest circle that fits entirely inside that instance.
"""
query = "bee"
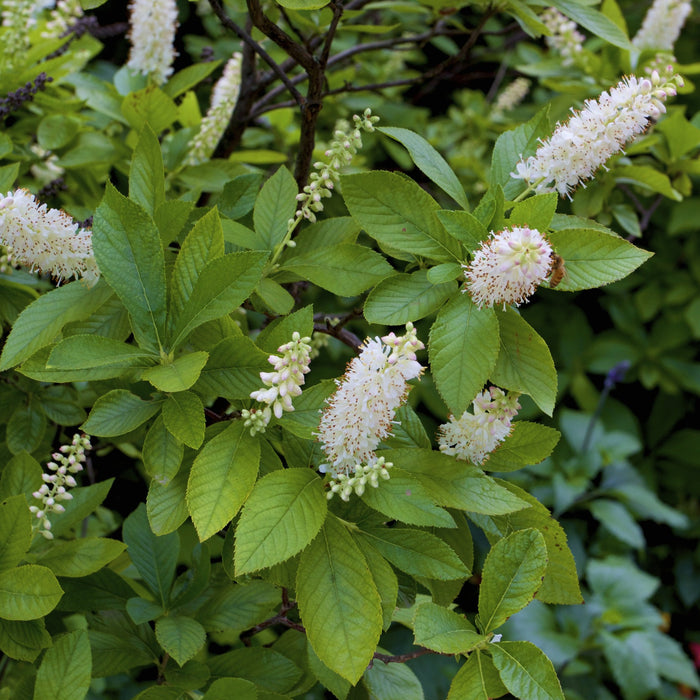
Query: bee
(557, 270)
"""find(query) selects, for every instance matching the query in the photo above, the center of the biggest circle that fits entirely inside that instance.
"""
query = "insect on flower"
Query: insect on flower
(557, 271)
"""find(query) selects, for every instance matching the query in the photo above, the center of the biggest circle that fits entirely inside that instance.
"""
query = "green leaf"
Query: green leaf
(23, 640)
(57, 130)
(399, 214)
(162, 452)
(181, 637)
(43, 319)
(81, 352)
(476, 680)
(66, 669)
(274, 207)
(178, 375)
(284, 512)
(146, 180)
(430, 162)
(233, 369)
(524, 363)
(129, 254)
(404, 498)
(8, 176)
(595, 21)
(227, 688)
(238, 196)
(154, 557)
(464, 227)
(274, 296)
(239, 607)
(118, 412)
(338, 602)
(384, 579)
(463, 348)
(141, 610)
(149, 106)
(512, 573)
(223, 284)
(26, 427)
(392, 682)
(15, 531)
(345, 270)
(222, 477)
(528, 443)
(444, 631)
(171, 217)
(28, 592)
(188, 77)
(20, 475)
(615, 518)
(456, 484)
(416, 552)
(406, 297)
(593, 258)
(167, 504)
(303, 4)
(526, 671)
(280, 331)
(267, 668)
(444, 272)
(81, 557)
(535, 212)
(183, 416)
(85, 501)
(513, 145)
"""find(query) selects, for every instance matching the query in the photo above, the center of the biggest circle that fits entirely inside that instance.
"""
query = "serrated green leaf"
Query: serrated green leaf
(238, 196)
(162, 452)
(593, 258)
(57, 130)
(429, 161)
(535, 212)
(81, 557)
(188, 77)
(178, 375)
(416, 552)
(464, 345)
(284, 512)
(445, 272)
(528, 443)
(42, 320)
(15, 531)
(274, 207)
(130, 256)
(512, 574)
(595, 21)
(444, 631)
(273, 296)
(222, 477)
(84, 502)
(79, 352)
(227, 688)
(404, 498)
(26, 427)
(526, 671)
(464, 227)
(267, 668)
(345, 270)
(476, 680)
(146, 179)
(154, 557)
(118, 412)
(222, 285)
(399, 214)
(239, 607)
(23, 640)
(280, 331)
(166, 504)
(149, 106)
(141, 610)
(183, 416)
(615, 518)
(406, 297)
(524, 362)
(28, 592)
(384, 579)
(66, 669)
(392, 682)
(181, 637)
(338, 602)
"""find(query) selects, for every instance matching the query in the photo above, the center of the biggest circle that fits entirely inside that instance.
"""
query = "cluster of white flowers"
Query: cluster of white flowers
(153, 27)
(590, 137)
(347, 484)
(346, 142)
(662, 25)
(508, 267)
(473, 436)
(44, 239)
(223, 100)
(281, 385)
(361, 412)
(61, 18)
(565, 38)
(47, 168)
(7, 264)
(57, 480)
(511, 96)
(17, 21)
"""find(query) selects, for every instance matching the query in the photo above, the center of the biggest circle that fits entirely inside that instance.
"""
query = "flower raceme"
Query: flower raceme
(590, 137)
(473, 436)
(508, 267)
(361, 412)
(565, 39)
(153, 27)
(662, 25)
(45, 239)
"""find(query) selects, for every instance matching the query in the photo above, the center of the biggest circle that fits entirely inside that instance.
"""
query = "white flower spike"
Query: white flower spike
(662, 25)
(152, 34)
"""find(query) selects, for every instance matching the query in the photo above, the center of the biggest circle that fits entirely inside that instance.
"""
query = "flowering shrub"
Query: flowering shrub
(205, 193)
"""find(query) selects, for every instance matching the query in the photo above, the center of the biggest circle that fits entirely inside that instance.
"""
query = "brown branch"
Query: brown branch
(402, 658)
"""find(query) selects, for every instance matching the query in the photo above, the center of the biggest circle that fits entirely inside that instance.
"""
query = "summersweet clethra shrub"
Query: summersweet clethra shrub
(662, 25)
(577, 148)
(152, 35)
(46, 240)
(360, 414)
(564, 38)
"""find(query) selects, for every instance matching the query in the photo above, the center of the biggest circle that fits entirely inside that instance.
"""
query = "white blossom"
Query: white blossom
(565, 39)
(361, 412)
(590, 137)
(62, 17)
(473, 436)
(508, 267)
(17, 22)
(153, 26)
(47, 240)
(662, 25)
(223, 100)
(57, 480)
(512, 95)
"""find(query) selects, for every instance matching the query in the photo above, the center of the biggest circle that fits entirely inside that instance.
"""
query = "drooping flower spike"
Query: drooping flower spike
(662, 25)
(508, 267)
(601, 129)
(565, 39)
(152, 36)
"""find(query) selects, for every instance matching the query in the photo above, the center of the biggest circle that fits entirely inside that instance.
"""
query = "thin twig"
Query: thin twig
(401, 658)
